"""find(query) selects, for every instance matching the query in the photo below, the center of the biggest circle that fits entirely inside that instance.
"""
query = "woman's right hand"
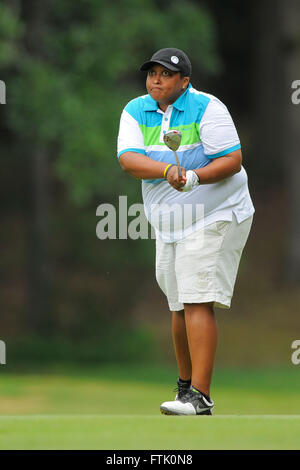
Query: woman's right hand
(174, 179)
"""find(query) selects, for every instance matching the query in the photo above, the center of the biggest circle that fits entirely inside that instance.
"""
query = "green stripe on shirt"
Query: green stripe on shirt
(190, 134)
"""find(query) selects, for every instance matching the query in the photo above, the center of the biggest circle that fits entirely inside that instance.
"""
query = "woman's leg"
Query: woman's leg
(202, 334)
(181, 345)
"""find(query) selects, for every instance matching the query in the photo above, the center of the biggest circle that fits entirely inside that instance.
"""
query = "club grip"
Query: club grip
(178, 164)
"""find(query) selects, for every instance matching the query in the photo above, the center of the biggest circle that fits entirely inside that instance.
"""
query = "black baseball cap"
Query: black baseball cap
(171, 58)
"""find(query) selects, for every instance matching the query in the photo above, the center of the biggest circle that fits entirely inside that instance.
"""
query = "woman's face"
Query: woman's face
(164, 85)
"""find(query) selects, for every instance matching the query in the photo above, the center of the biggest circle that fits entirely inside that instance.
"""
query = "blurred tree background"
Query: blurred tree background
(70, 68)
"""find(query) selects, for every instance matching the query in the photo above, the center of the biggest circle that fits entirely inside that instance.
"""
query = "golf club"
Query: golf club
(172, 140)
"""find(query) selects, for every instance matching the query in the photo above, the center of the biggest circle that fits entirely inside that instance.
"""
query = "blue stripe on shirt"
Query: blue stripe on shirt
(132, 150)
(225, 152)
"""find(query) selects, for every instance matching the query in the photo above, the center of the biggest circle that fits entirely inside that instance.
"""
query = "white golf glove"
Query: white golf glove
(191, 181)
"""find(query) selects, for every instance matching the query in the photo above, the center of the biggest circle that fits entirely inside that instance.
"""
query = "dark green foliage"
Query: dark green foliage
(70, 68)
(84, 70)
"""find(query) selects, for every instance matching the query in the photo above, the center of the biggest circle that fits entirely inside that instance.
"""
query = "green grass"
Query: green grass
(149, 432)
(118, 408)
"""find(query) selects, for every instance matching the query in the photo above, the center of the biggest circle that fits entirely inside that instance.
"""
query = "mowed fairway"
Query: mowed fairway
(117, 408)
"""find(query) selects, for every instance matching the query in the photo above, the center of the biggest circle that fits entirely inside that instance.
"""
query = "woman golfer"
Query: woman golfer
(202, 218)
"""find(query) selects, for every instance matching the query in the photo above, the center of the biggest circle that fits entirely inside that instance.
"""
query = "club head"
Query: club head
(172, 139)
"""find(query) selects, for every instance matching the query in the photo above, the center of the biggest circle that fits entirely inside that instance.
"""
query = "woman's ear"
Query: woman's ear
(186, 82)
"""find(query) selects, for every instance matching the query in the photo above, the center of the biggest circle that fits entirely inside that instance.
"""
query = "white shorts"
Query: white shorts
(203, 266)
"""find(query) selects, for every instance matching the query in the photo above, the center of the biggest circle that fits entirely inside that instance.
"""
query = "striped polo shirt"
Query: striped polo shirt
(208, 132)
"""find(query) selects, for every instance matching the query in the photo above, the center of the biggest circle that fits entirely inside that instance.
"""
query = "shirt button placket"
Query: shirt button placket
(166, 121)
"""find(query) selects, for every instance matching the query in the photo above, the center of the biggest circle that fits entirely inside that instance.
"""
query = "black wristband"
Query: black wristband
(169, 169)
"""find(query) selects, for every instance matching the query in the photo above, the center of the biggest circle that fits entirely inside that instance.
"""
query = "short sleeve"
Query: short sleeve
(130, 138)
(217, 130)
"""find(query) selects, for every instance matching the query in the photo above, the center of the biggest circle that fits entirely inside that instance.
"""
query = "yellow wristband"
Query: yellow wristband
(168, 166)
